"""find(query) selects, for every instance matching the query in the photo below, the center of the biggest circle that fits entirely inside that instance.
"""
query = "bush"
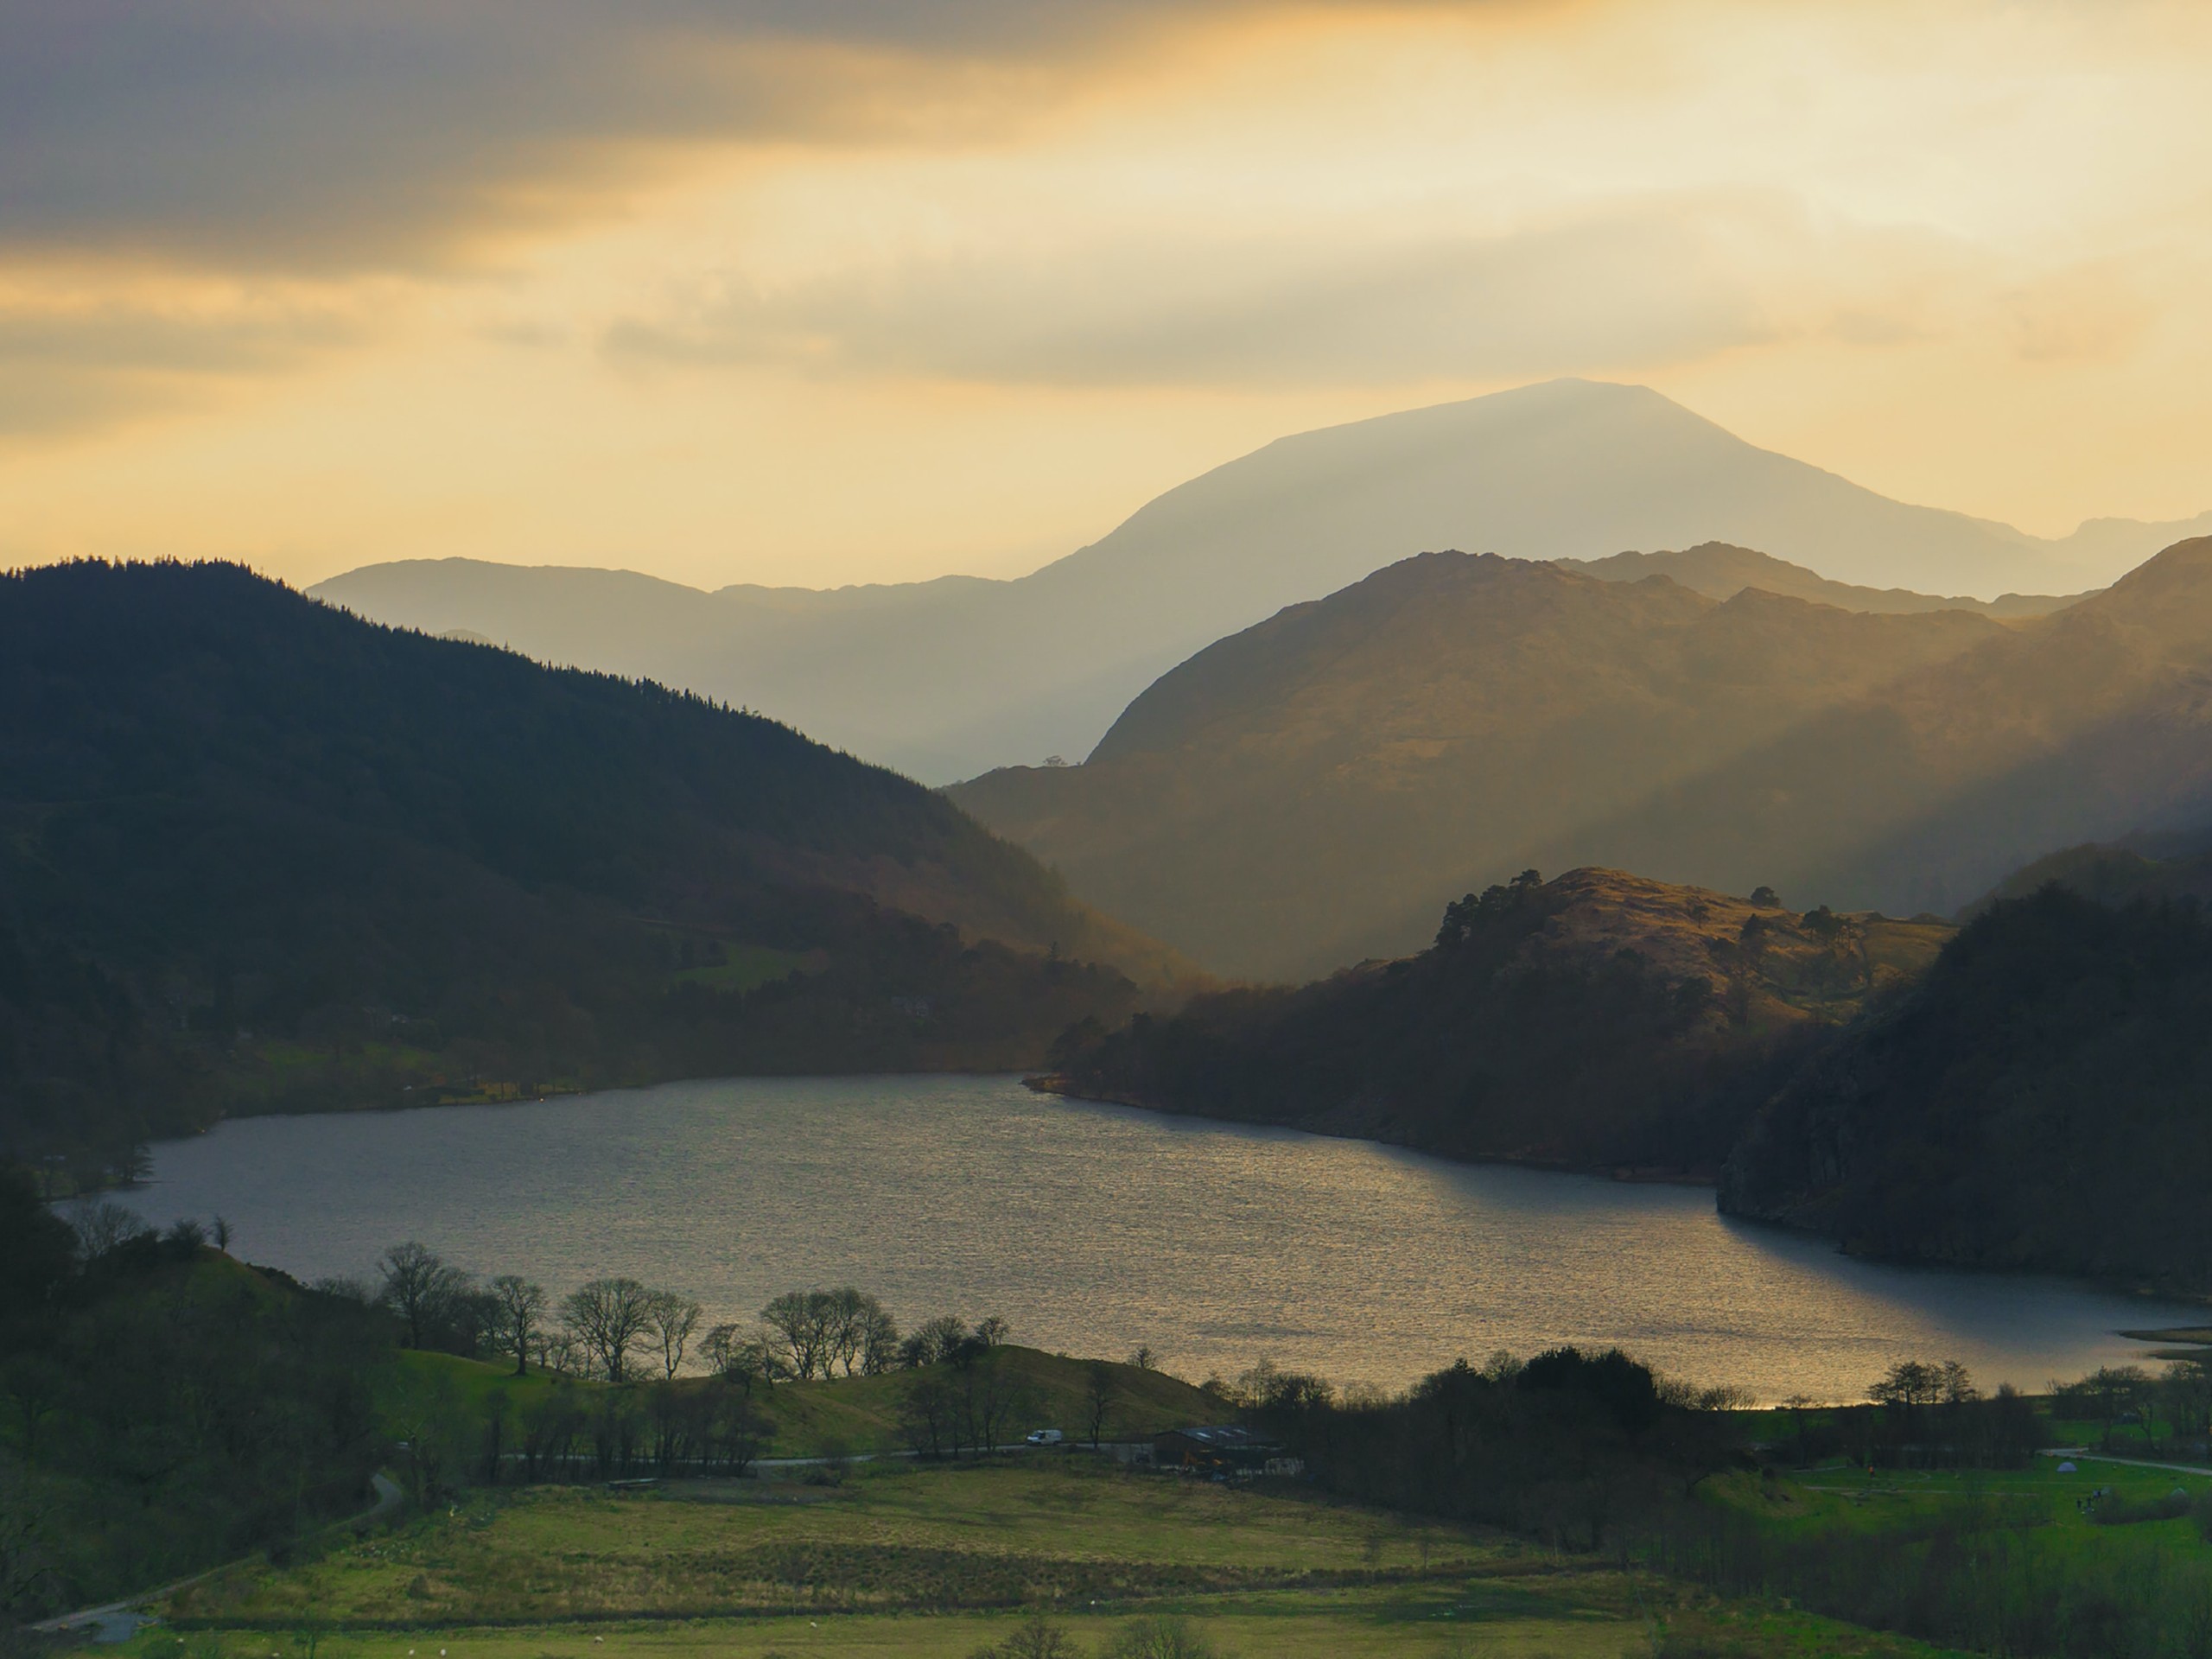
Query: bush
(1160, 1637)
(1037, 1638)
(2118, 1512)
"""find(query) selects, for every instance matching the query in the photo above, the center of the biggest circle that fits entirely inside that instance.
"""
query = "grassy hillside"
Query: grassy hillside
(2038, 1101)
(257, 854)
(1313, 791)
(1598, 1020)
(164, 1408)
(860, 1415)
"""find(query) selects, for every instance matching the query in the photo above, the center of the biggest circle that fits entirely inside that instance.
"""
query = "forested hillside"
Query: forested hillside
(1598, 1020)
(2042, 1099)
(257, 853)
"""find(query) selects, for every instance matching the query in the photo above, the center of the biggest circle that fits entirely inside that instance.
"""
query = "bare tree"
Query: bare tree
(1101, 1387)
(103, 1226)
(878, 1339)
(521, 1304)
(220, 1231)
(608, 1317)
(844, 1314)
(744, 1356)
(994, 1331)
(416, 1285)
(670, 1320)
(804, 1320)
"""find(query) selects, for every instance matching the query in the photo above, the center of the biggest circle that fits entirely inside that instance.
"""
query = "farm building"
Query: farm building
(1227, 1449)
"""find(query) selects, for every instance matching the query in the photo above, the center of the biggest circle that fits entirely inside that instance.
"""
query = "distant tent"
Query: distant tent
(2065, 1468)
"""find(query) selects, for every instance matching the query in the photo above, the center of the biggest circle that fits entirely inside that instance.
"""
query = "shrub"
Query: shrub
(1160, 1637)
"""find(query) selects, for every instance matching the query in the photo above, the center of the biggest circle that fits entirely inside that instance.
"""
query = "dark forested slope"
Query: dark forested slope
(255, 852)
(2042, 1099)
(1597, 1020)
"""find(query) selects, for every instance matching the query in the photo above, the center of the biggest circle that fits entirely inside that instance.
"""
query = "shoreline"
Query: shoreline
(1056, 1083)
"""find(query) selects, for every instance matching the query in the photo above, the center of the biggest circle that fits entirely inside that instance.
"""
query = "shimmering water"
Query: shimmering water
(1093, 1228)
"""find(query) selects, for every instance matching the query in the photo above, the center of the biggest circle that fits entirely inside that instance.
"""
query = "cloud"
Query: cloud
(1632, 285)
(67, 368)
(301, 134)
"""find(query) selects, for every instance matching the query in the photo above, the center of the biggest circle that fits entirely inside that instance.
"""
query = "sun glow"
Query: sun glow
(868, 308)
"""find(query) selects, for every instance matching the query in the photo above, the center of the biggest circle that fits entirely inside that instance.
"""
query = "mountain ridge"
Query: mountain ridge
(917, 676)
(1308, 791)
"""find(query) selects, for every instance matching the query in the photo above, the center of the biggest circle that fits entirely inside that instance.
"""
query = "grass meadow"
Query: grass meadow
(943, 1560)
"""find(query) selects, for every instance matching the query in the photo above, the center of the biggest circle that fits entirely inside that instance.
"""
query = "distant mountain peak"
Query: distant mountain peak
(948, 678)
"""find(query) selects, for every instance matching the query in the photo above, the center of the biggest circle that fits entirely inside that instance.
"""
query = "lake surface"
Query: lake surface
(1093, 1228)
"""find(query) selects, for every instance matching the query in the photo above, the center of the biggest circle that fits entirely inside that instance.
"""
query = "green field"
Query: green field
(1850, 1500)
(939, 1560)
(745, 967)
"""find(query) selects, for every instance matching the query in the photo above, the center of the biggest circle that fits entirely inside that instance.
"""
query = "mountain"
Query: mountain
(257, 853)
(1720, 571)
(1308, 791)
(948, 679)
(1599, 1019)
(2091, 725)
(2038, 1101)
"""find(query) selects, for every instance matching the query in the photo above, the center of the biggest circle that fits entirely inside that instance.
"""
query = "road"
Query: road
(119, 1621)
(2088, 1456)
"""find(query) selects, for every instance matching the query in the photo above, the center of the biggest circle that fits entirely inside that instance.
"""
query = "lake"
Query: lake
(1095, 1229)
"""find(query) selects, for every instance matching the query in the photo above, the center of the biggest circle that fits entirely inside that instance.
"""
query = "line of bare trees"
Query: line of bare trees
(615, 1328)
(621, 1330)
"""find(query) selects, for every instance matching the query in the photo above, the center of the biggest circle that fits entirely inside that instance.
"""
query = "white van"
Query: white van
(1046, 1437)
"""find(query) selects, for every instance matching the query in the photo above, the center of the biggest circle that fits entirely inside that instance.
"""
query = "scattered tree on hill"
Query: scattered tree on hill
(2106, 1396)
(743, 1357)
(102, 1225)
(936, 1340)
(1101, 1390)
(1465, 918)
(520, 1304)
(878, 1339)
(670, 1320)
(608, 1317)
(417, 1284)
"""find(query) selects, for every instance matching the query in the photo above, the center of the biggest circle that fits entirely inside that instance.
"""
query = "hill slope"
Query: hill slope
(1309, 791)
(2038, 1101)
(2089, 725)
(1598, 1020)
(1720, 571)
(256, 852)
(945, 679)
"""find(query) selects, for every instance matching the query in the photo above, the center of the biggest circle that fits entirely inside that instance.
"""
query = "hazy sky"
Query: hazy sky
(832, 291)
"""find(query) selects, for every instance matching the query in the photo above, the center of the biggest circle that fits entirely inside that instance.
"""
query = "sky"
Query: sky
(830, 291)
